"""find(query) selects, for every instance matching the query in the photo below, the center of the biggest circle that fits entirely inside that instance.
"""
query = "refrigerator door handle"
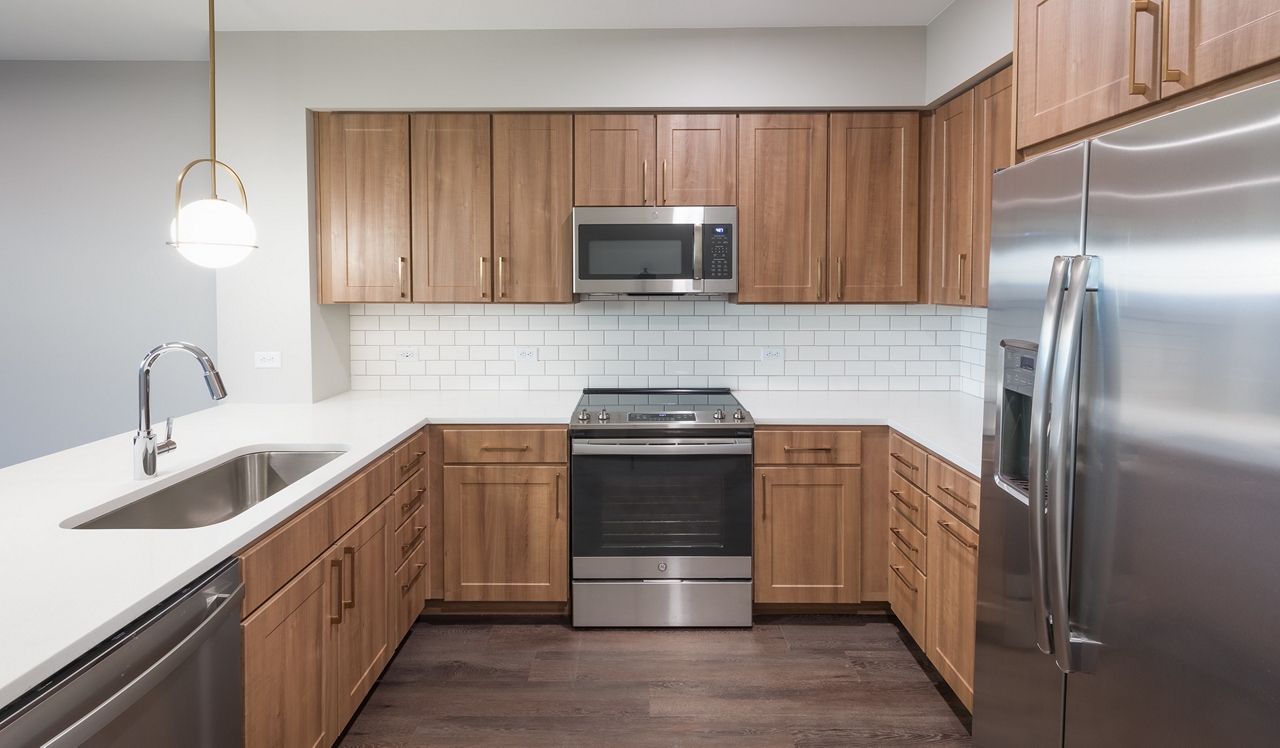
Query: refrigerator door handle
(1061, 461)
(1037, 459)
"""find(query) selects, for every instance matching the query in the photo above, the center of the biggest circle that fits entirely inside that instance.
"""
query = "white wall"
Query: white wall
(88, 156)
(268, 80)
(966, 42)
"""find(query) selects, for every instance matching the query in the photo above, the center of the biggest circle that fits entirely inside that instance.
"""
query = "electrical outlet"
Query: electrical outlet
(406, 354)
(266, 360)
(771, 353)
(526, 353)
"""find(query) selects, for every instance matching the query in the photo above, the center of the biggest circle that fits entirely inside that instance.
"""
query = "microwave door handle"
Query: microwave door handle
(1037, 458)
(697, 254)
(1061, 462)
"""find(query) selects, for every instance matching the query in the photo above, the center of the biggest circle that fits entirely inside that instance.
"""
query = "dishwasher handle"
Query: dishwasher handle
(222, 605)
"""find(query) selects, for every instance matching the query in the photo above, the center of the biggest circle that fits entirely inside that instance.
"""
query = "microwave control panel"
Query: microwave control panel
(717, 250)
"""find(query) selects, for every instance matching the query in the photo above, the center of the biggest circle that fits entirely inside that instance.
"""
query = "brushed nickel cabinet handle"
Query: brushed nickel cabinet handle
(787, 448)
(764, 497)
(644, 182)
(902, 459)
(1167, 74)
(664, 181)
(557, 496)
(897, 495)
(947, 526)
(350, 550)
(947, 490)
(483, 293)
(1139, 6)
(839, 279)
(525, 448)
(960, 278)
(898, 570)
(400, 276)
(819, 284)
(337, 563)
(417, 533)
(405, 587)
(502, 278)
(904, 540)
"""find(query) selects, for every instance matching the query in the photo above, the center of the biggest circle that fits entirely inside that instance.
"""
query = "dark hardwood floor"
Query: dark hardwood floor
(789, 681)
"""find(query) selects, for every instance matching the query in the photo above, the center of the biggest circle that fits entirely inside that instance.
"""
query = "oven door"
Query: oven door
(661, 508)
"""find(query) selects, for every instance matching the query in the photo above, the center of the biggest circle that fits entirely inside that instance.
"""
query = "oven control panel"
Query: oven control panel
(661, 417)
(717, 250)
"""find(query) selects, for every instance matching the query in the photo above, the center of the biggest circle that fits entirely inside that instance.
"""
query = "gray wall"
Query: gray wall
(967, 42)
(89, 152)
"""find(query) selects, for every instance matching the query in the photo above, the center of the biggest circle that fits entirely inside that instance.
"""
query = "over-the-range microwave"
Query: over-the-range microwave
(654, 251)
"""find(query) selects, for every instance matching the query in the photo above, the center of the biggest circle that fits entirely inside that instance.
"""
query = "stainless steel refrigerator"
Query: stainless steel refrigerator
(1129, 576)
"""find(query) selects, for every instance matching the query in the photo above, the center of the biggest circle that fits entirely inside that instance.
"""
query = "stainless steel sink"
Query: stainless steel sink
(216, 495)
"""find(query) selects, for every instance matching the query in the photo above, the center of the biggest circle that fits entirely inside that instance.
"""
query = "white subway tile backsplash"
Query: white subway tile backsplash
(669, 343)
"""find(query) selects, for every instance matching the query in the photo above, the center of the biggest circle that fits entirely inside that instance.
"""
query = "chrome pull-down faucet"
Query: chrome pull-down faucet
(145, 448)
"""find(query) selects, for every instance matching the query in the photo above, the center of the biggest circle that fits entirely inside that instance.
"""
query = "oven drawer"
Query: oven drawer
(662, 567)
(662, 603)
(521, 445)
(808, 447)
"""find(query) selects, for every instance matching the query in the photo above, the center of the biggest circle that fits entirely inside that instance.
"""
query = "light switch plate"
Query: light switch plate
(266, 360)
(406, 354)
(771, 353)
(526, 353)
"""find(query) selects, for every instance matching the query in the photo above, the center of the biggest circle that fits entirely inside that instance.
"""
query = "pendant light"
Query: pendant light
(212, 232)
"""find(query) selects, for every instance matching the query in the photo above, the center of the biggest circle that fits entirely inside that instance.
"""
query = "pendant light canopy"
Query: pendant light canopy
(212, 232)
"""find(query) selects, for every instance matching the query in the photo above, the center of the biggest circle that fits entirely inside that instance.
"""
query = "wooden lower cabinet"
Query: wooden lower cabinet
(908, 591)
(808, 535)
(506, 533)
(952, 599)
(361, 636)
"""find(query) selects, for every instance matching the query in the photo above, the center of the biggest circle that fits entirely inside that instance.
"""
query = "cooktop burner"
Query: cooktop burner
(685, 408)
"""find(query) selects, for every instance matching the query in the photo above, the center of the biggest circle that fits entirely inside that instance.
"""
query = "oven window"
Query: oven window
(627, 252)
(696, 505)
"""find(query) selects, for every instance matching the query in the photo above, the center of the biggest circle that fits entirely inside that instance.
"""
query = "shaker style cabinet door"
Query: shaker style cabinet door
(614, 159)
(450, 171)
(1082, 61)
(362, 207)
(697, 159)
(952, 599)
(951, 225)
(782, 208)
(361, 639)
(993, 149)
(808, 535)
(1204, 40)
(533, 208)
(874, 194)
(506, 533)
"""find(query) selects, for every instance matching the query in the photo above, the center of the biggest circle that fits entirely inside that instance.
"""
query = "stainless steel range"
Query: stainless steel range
(660, 508)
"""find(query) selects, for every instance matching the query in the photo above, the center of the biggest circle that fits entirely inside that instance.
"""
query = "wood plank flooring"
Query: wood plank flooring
(788, 681)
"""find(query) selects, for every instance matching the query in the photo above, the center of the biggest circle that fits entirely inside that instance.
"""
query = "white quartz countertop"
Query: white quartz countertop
(66, 590)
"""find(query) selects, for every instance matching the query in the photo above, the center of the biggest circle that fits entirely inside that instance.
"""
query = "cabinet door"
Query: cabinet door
(782, 207)
(362, 207)
(874, 220)
(952, 599)
(614, 159)
(1074, 62)
(506, 533)
(532, 207)
(951, 226)
(808, 535)
(452, 244)
(361, 639)
(697, 159)
(993, 149)
(286, 663)
(1206, 40)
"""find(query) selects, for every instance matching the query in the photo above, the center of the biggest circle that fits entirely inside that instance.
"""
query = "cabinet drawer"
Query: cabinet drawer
(907, 594)
(505, 445)
(409, 497)
(908, 500)
(907, 538)
(274, 560)
(357, 497)
(908, 460)
(410, 589)
(954, 490)
(833, 447)
(411, 531)
(407, 457)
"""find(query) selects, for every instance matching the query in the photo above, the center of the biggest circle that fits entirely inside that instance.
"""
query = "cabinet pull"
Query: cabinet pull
(337, 562)
(502, 278)
(839, 279)
(644, 182)
(400, 276)
(557, 496)
(947, 526)
(483, 293)
(788, 448)
(947, 490)
(898, 570)
(664, 181)
(819, 284)
(904, 540)
(1167, 74)
(525, 448)
(417, 533)
(350, 550)
(764, 497)
(902, 459)
(903, 499)
(405, 587)
(1139, 6)
(960, 277)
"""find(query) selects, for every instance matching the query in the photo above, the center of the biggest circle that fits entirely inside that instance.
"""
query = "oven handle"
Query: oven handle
(642, 447)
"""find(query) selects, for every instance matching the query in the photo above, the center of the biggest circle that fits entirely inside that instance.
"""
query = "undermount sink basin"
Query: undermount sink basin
(217, 494)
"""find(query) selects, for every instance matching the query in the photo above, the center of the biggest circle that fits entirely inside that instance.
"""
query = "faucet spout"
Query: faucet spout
(145, 449)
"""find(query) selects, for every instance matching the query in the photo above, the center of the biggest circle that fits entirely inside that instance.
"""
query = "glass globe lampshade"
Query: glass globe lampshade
(215, 233)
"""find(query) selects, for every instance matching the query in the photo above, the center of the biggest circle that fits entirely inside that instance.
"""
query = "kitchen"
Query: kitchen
(456, 440)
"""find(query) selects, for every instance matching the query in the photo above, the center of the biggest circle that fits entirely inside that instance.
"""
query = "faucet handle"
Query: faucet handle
(168, 429)
(168, 445)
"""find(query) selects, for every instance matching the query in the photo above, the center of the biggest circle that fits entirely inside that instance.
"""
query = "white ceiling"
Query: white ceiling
(176, 29)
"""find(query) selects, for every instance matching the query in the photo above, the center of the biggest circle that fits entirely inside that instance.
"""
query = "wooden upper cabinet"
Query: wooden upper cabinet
(614, 159)
(951, 222)
(873, 198)
(450, 171)
(1204, 40)
(362, 206)
(697, 159)
(924, 270)
(808, 535)
(532, 208)
(993, 149)
(1075, 61)
(782, 207)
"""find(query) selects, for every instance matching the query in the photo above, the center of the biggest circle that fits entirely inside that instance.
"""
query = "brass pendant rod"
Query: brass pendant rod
(213, 118)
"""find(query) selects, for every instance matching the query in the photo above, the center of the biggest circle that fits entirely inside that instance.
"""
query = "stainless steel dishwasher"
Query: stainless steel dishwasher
(170, 678)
